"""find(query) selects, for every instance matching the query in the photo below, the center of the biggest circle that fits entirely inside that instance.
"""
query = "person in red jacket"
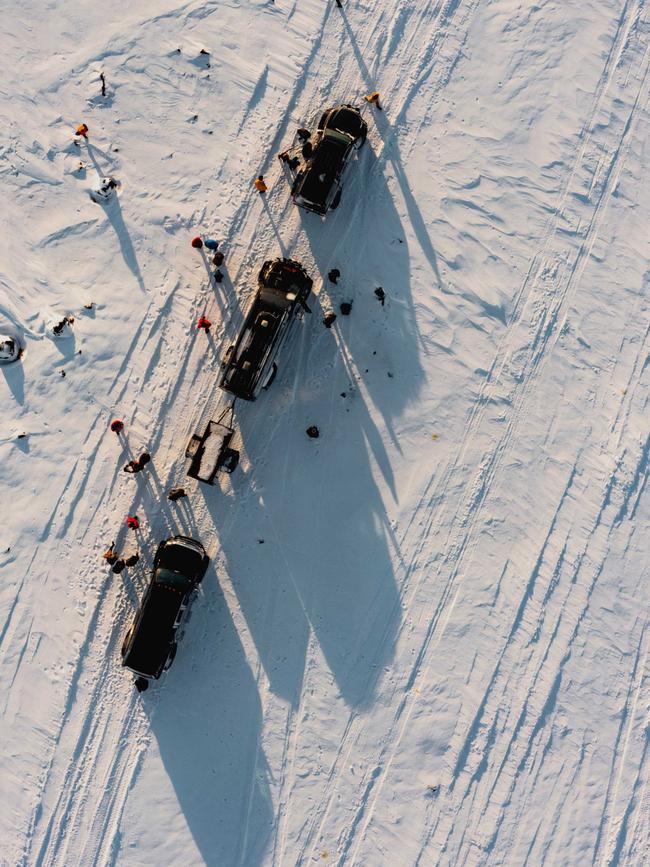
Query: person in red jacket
(132, 522)
(204, 323)
(197, 243)
(117, 426)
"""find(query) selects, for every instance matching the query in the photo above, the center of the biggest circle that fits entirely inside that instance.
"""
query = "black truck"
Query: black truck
(250, 363)
(317, 186)
(149, 646)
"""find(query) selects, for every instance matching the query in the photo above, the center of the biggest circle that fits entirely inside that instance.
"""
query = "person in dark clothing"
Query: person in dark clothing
(313, 432)
(346, 308)
(132, 560)
(144, 459)
(303, 134)
(102, 78)
(339, 4)
(218, 276)
(334, 275)
(217, 259)
(294, 163)
(284, 157)
(329, 320)
(132, 467)
(307, 150)
(381, 295)
(119, 566)
(176, 494)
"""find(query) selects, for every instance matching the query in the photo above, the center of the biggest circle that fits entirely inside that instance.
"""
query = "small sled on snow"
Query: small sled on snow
(10, 349)
(210, 452)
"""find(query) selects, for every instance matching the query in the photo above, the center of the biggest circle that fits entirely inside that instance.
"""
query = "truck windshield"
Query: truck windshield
(172, 579)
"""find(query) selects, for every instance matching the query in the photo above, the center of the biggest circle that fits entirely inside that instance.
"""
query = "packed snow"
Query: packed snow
(423, 637)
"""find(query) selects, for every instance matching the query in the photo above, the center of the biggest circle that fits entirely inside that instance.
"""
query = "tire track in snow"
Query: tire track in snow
(544, 329)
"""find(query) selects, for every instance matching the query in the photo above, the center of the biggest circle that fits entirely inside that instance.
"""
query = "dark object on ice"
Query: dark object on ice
(21, 436)
(313, 432)
(149, 646)
(317, 186)
(210, 452)
(58, 328)
(141, 683)
(283, 287)
(379, 292)
(132, 467)
(144, 459)
(89, 306)
(260, 541)
(176, 494)
(333, 275)
(218, 276)
(119, 566)
(132, 560)
(389, 374)
(346, 308)
(102, 78)
(329, 320)
(10, 349)
(217, 259)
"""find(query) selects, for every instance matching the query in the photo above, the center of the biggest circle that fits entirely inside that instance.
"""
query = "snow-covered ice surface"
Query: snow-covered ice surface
(424, 636)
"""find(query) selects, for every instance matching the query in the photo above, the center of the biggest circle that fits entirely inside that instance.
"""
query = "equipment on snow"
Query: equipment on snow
(103, 190)
(210, 452)
(10, 349)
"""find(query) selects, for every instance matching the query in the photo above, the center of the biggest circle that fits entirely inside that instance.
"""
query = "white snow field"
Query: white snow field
(423, 638)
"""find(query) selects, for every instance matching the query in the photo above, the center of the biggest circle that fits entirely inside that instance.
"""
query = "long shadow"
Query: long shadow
(15, 378)
(113, 211)
(305, 541)
(365, 240)
(207, 724)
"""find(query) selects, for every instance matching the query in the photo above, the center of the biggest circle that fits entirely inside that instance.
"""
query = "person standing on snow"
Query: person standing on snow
(132, 522)
(260, 186)
(82, 130)
(204, 324)
(373, 99)
(117, 426)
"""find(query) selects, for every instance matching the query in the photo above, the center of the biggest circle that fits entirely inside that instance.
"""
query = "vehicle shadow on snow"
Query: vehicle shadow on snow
(207, 722)
(306, 543)
(364, 238)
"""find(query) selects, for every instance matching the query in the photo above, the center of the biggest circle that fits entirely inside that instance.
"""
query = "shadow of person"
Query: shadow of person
(283, 249)
(113, 211)
(207, 729)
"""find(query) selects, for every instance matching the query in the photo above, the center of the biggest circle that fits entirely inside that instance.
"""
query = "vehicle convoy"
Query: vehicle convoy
(317, 186)
(250, 363)
(149, 646)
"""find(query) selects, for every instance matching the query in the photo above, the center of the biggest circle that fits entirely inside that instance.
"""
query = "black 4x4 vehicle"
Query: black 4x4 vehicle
(317, 186)
(249, 365)
(149, 646)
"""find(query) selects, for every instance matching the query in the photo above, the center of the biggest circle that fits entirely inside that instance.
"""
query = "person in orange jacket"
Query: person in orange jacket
(260, 186)
(82, 130)
(373, 99)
